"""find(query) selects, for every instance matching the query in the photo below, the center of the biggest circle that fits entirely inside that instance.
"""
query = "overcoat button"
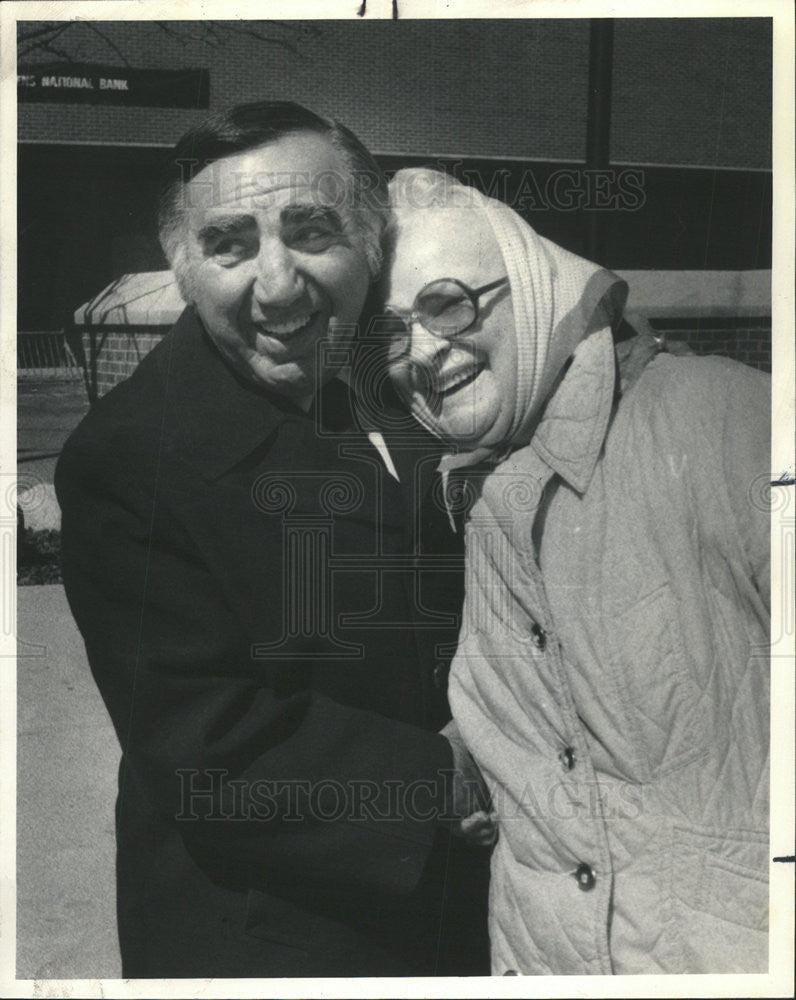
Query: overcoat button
(440, 676)
(567, 758)
(585, 876)
(538, 637)
(511, 972)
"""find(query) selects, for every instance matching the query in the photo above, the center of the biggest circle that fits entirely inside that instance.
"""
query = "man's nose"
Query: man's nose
(278, 281)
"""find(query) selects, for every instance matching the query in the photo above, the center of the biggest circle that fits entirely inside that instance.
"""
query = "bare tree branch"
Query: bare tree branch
(165, 26)
(213, 30)
(298, 27)
(214, 34)
(281, 42)
(108, 41)
(310, 31)
(182, 35)
(26, 36)
(46, 46)
(35, 41)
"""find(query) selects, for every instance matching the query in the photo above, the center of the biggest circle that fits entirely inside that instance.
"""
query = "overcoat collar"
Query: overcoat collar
(220, 419)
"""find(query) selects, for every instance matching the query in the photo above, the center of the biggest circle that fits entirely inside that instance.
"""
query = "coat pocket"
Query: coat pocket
(718, 900)
(654, 678)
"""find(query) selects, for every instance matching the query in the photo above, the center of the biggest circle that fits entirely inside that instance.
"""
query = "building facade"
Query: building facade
(502, 104)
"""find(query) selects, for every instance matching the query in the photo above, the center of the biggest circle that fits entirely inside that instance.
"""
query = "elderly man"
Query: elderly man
(245, 561)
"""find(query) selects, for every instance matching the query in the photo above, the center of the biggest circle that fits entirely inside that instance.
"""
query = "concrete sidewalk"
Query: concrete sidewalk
(48, 410)
(67, 758)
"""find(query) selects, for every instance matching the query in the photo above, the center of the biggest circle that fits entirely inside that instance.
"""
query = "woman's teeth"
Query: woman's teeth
(457, 379)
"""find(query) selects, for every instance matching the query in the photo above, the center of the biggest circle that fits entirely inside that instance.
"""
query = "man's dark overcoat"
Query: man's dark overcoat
(251, 589)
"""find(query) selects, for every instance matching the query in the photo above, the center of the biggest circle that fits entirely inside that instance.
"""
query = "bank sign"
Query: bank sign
(88, 83)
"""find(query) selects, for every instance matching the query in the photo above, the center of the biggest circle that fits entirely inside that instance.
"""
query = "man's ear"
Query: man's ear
(182, 271)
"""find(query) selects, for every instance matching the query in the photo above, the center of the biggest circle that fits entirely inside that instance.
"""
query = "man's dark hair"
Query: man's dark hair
(248, 126)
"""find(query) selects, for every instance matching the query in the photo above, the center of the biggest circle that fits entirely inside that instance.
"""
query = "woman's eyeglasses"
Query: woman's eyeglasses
(445, 307)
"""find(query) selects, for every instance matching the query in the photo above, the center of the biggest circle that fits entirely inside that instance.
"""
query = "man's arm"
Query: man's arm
(300, 787)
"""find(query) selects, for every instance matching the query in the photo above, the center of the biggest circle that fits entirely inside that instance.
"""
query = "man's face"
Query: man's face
(274, 261)
(463, 388)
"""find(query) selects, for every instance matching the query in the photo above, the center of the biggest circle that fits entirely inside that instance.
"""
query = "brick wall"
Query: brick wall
(692, 91)
(111, 357)
(686, 91)
(748, 341)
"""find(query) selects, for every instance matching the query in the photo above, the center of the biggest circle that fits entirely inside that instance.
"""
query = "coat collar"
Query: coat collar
(570, 435)
(221, 419)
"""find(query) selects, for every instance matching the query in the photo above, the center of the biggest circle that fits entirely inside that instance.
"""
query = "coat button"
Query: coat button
(511, 972)
(567, 758)
(440, 676)
(538, 637)
(585, 876)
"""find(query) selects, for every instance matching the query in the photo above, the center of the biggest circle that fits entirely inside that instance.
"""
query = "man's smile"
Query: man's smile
(286, 328)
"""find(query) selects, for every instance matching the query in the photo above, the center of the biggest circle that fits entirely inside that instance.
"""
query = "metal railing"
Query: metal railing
(46, 354)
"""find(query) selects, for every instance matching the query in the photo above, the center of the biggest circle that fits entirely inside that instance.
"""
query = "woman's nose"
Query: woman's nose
(278, 281)
(425, 347)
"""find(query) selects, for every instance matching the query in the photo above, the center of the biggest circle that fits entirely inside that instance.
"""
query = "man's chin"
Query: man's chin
(293, 380)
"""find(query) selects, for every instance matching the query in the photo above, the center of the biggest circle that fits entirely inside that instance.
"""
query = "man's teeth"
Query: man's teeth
(289, 326)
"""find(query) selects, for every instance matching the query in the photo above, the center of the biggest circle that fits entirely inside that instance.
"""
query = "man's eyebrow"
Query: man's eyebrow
(297, 214)
(226, 225)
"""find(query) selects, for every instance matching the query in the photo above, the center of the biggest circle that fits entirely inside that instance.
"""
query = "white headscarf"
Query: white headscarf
(558, 298)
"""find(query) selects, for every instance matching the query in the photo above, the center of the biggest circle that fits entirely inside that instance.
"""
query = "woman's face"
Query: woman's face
(463, 388)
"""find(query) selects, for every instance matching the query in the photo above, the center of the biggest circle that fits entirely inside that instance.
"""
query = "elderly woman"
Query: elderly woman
(611, 678)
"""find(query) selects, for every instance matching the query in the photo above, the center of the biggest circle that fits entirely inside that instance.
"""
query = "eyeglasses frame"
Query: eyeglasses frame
(473, 294)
